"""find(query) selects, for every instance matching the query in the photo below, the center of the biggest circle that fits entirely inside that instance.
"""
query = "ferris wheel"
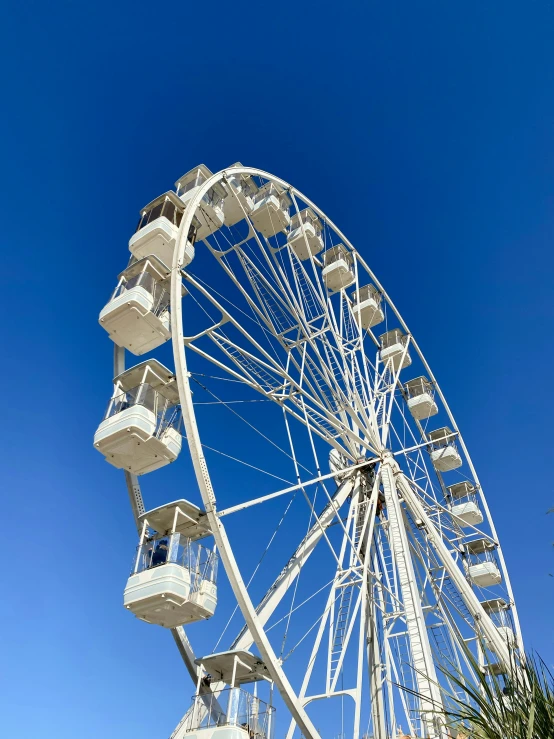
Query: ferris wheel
(360, 565)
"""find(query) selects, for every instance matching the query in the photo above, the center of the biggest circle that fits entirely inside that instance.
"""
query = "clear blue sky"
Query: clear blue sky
(425, 130)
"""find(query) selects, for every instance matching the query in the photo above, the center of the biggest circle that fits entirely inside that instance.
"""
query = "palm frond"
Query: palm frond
(520, 706)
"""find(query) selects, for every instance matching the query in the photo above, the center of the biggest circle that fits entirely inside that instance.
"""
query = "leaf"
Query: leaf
(531, 722)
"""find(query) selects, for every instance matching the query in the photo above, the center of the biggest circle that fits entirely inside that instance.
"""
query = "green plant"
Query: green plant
(520, 706)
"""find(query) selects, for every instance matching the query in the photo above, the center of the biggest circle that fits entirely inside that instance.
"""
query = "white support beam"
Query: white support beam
(292, 488)
(293, 567)
(422, 657)
(185, 650)
(375, 674)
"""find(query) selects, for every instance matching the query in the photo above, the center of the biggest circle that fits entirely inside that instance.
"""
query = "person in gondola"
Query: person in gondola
(159, 557)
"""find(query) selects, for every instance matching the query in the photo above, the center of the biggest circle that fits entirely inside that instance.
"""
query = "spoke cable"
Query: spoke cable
(256, 569)
(249, 424)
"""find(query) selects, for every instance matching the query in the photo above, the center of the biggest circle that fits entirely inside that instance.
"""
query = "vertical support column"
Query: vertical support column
(379, 602)
(375, 674)
(368, 504)
(362, 640)
(423, 665)
(373, 651)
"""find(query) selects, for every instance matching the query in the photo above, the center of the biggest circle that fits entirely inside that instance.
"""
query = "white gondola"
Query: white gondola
(499, 611)
(495, 606)
(421, 400)
(393, 349)
(173, 581)
(468, 513)
(366, 306)
(157, 231)
(337, 268)
(139, 432)
(444, 453)
(137, 316)
(305, 237)
(483, 569)
(233, 712)
(485, 574)
(210, 211)
(239, 202)
(463, 504)
(270, 214)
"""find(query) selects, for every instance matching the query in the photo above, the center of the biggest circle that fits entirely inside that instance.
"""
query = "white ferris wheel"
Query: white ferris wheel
(359, 558)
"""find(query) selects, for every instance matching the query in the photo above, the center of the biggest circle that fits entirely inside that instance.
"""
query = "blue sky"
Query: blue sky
(424, 130)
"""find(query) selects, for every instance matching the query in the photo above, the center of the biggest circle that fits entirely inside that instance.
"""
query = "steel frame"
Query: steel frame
(328, 389)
